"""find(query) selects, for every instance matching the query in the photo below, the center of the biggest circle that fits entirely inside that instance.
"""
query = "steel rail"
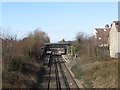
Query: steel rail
(49, 65)
(64, 77)
(57, 76)
(70, 74)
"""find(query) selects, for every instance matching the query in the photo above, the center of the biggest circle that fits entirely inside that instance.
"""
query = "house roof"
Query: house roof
(102, 29)
(99, 28)
(116, 21)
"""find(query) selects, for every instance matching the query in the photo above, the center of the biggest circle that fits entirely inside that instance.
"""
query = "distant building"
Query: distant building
(115, 39)
(102, 36)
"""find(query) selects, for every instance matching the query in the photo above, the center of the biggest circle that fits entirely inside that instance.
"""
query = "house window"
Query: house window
(116, 24)
(99, 38)
(105, 30)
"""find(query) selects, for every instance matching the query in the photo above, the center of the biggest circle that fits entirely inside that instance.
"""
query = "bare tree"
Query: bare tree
(79, 37)
(35, 41)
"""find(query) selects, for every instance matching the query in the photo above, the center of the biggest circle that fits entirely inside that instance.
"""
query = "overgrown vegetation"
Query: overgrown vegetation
(21, 60)
(87, 48)
(94, 67)
(77, 71)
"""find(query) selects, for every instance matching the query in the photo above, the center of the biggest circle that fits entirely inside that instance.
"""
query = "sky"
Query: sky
(58, 19)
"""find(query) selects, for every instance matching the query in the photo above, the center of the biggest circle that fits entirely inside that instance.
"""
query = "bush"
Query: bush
(14, 62)
(20, 59)
(77, 72)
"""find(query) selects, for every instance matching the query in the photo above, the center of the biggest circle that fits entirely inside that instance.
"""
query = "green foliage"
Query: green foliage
(73, 50)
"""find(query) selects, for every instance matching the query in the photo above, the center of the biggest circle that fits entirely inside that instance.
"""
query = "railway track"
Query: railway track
(63, 77)
(72, 83)
(49, 65)
(57, 76)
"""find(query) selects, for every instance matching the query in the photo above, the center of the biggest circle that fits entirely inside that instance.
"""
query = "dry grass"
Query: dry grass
(102, 74)
(94, 67)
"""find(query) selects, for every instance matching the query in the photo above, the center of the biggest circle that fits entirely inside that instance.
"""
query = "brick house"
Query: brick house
(115, 39)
